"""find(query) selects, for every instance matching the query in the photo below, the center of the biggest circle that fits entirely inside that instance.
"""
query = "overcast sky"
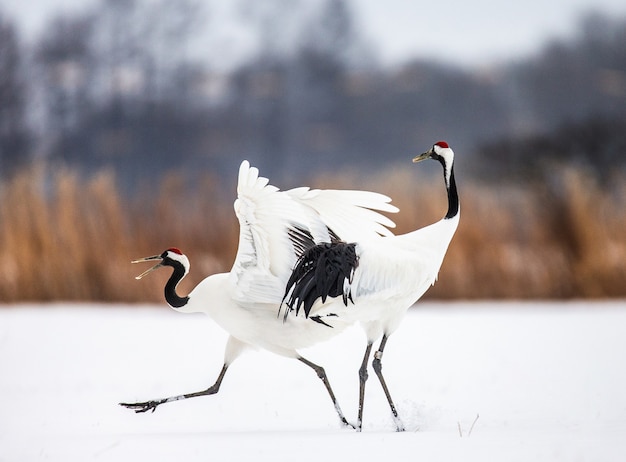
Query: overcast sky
(466, 33)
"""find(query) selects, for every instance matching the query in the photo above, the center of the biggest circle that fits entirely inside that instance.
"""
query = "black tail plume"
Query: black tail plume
(321, 272)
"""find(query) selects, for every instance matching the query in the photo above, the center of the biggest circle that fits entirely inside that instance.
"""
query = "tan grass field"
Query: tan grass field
(67, 239)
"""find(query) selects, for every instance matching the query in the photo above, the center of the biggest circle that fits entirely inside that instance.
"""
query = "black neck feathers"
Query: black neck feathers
(172, 298)
(453, 196)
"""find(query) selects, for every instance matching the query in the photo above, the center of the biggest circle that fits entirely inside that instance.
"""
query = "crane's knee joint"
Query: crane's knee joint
(363, 375)
(321, 373)
(376, 363)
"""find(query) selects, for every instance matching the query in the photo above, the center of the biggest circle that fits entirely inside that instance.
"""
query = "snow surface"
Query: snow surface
(548, 382)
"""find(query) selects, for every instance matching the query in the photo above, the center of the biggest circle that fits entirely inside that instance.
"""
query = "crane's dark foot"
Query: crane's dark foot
(345, 423)
(145, 406)
(399, 424)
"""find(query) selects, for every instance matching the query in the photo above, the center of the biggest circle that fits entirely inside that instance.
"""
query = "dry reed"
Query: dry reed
(63, 238)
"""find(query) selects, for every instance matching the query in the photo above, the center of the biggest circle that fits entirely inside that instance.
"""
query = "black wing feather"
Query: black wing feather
(300, 238)
(321, 272)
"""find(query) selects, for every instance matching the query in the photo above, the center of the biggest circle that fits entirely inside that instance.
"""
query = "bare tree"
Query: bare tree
(277, 24)
(13, 129)
(65, 61)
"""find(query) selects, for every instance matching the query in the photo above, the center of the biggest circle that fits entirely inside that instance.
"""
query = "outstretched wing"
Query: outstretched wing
(351, 215)
(274, 230)
(277, 227)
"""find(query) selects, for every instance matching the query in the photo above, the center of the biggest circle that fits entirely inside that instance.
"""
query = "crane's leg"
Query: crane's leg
(152, 405)
(362, 379)
(321, 373)
(378, 368)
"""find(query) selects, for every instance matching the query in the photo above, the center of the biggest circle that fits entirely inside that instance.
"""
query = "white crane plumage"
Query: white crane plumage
(374, 280)
(276, 227)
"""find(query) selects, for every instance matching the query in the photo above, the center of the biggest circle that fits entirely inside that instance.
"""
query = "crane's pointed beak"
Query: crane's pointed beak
(423, 156)
(157, 266)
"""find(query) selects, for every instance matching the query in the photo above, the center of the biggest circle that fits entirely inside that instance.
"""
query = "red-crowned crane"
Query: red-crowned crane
(276, 227)
(374, 280)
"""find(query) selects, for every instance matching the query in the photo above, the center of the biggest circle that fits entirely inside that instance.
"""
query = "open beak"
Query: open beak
(157, 266)
(421, 157)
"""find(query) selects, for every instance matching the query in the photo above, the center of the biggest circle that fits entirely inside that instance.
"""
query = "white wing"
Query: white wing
(269, 220)
(276, 227)
(351, 215)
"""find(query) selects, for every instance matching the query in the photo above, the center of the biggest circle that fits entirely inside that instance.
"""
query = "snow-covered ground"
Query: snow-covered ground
(548, 382)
